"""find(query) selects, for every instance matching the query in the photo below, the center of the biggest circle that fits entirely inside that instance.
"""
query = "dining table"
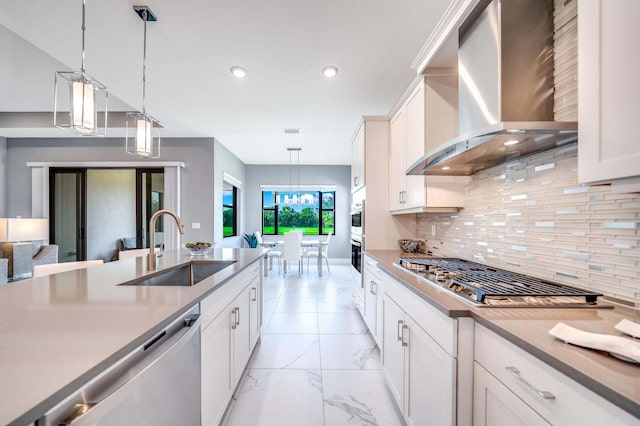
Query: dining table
(304, 244)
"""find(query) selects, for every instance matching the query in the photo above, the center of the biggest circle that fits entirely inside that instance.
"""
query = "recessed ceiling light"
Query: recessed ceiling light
(330, 71)
(446, 168)
(511, 142)
(238, 72)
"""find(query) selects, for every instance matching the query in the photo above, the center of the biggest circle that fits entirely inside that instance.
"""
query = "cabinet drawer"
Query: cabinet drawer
(567, 401)
(372, 266)
(212, 305)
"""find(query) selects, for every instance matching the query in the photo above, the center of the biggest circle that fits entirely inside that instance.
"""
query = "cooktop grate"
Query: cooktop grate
(489, 281)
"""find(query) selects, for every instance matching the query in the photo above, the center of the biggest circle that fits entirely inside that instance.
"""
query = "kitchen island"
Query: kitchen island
(59, 331)
(526, 329)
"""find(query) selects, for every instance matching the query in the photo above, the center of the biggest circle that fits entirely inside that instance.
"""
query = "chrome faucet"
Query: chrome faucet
(151, 257)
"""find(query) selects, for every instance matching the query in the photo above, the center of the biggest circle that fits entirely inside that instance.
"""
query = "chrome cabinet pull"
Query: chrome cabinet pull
(541, 393)
(404, 342)
(255, 294)
(236, 318)
(400, 330)
(373, 288)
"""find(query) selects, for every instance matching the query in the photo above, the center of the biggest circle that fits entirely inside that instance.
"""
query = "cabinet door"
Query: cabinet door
(608, 84)
(215, 351)
(392, 349)
(414, 146)
(495, 405)
(431, 378)
(396, 161)
(240, 326)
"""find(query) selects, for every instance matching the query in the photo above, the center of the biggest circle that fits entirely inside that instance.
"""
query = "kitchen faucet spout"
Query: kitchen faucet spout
(151, 257)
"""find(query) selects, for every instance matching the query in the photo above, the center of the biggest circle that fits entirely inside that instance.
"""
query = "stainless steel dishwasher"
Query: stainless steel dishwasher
(156, 384)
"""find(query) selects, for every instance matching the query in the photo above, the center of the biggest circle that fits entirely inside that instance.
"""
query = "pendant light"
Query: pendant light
(80, 114)
(295, 199)
(142, 130)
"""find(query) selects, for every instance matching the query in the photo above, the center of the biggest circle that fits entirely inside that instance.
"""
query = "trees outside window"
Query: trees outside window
(313, 212)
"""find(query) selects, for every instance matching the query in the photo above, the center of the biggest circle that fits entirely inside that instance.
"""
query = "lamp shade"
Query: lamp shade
(78, 110)
(23, 229)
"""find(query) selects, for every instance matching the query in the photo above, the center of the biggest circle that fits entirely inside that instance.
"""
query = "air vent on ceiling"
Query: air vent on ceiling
(291, 131)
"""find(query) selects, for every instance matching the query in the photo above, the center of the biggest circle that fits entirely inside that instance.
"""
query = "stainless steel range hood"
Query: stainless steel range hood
(505, 84)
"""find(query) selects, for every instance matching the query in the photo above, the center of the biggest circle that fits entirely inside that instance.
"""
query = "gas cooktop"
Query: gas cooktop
(482, 285)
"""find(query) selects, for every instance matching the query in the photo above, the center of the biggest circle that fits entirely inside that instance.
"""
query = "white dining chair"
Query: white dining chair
(272, 253)
(292, 250)
(316, 253)
(54, 268)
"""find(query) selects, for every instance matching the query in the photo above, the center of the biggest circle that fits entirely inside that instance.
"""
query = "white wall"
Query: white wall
(340, 176)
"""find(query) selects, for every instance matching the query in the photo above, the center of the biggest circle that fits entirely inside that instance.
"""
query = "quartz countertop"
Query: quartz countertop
(528, 328)
(59, 331)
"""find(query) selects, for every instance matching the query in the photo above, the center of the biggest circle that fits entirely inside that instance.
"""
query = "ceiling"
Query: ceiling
(283, 44)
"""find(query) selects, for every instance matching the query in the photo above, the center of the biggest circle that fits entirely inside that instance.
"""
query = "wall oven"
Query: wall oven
(356, 253)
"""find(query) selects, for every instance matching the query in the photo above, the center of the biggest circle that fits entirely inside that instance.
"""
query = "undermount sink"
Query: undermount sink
(187, 275)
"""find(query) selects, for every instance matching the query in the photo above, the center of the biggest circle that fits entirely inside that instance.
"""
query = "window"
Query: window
(229, 210)
(313, 212)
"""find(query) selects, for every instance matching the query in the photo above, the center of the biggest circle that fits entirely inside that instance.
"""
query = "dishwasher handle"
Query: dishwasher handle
(191, 326)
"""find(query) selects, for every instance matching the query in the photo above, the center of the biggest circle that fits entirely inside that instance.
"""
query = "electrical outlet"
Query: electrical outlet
(433, 230)
(195, 225)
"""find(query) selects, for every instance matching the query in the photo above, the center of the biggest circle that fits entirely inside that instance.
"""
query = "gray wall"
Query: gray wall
(3, 177)
(339, 176)
(111, 210)
(199, 179)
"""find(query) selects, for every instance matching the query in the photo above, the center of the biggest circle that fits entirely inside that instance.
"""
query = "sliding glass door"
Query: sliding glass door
(93, 210)
(150, 199)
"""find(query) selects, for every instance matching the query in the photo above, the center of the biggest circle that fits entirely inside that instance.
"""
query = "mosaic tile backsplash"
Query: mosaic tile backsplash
(531, 216)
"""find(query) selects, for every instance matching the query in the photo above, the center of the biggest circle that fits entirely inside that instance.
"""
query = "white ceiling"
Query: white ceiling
(284, 44)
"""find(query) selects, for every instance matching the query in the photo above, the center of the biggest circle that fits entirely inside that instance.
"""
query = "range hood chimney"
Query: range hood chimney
(505, 83)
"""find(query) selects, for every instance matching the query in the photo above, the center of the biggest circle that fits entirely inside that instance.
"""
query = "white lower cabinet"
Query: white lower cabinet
(512, 387)
(420, 373)
(229, 332)
(215, 352)
(431, 378)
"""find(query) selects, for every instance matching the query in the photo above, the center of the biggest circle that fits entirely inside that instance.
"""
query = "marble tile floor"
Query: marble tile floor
(316, 364)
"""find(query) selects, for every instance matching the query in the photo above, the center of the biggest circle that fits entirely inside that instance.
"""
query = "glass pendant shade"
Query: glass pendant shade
(142, 135)
(77, 110)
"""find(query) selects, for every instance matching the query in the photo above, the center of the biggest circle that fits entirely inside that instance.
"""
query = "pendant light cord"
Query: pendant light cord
(144, 61)
(83, 28)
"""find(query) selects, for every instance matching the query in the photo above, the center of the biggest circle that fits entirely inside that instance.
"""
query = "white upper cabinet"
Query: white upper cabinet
(427, 118)
(357, 160)
(609, 89)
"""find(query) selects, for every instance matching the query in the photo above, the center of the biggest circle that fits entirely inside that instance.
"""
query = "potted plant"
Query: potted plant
(251, 239)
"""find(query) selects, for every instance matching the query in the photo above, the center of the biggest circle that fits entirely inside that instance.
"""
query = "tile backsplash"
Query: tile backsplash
(531, 216)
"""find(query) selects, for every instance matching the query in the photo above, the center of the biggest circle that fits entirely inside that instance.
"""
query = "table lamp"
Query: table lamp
(17, 234)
